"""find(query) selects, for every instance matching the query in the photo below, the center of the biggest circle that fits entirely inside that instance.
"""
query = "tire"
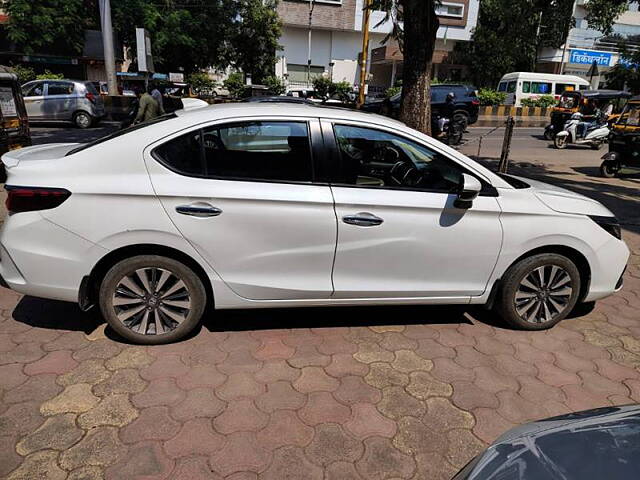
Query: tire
(527, 312)
(82, 120)
(188, 302)
(547, 134)
(608, 169)
(560, 142)
(461, 118)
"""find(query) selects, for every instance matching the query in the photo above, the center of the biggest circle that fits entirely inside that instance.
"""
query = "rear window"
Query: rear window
(119, 133)
(92, 87)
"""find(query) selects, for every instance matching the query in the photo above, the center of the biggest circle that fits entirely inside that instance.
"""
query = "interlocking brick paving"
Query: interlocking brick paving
(349, 393)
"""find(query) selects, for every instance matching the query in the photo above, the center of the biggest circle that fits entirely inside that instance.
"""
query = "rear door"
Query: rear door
(244, 193)
(33, 94)
(60, 100)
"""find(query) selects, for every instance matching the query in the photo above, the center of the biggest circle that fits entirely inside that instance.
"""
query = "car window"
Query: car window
(562, 87)
(541, 87)
(373, 158)
(502, 87)
(271, 151)
(33, 90)
(59, 88)
(526, 87)
(511, 87)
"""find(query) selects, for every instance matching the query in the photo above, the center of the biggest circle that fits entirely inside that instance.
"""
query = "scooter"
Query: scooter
(595, 135)
(450, 131)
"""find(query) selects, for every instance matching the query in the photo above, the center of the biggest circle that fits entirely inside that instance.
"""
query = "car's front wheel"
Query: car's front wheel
(539, 291)
(150, 299)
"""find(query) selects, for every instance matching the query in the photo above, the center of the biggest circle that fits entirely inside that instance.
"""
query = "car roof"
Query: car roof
(222, 110)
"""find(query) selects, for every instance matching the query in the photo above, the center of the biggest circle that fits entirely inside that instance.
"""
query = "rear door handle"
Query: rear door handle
(362, 219)
(201, 210)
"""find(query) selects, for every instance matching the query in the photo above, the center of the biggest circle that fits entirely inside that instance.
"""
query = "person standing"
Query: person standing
(148, 108)
(157, 96)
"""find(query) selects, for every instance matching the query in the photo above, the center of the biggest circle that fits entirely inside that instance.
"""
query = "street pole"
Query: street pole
(365, 50)
(311, 5)
(107, 42)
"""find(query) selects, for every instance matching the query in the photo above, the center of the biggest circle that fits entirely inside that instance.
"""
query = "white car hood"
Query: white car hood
(48, 151)
(565, 201)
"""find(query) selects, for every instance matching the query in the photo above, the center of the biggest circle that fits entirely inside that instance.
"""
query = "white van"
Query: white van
(519, 85)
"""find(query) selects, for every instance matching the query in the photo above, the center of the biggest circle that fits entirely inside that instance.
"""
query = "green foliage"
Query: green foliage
(506, 38)
(343, 90)
(55, 25)
(323, 86)
(49, 75)
(392, 91)
(542, 101)
(235, 84)
(489, 97)
(25, 74)
(200, 81)
(601, 14)
(275, 85)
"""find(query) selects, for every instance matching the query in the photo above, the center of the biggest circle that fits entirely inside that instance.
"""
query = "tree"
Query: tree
(414, 26)
(602, 14)
(57, 25)
(529, 25)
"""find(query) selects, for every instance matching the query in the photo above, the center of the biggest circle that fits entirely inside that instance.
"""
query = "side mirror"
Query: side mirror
(469, 189)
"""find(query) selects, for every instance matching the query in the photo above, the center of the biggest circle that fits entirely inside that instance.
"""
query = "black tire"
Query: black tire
(196, 297)
(462, 118)
(512, 284)
(82, 120)
(560, 142)
(548, 135)
(608, 169)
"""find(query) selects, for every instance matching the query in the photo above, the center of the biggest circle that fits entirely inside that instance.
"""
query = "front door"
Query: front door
(34, 100)
(242, 194)
(399, 234)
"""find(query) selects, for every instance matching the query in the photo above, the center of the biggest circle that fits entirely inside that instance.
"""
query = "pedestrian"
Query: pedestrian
(148, 108)
(156, 93)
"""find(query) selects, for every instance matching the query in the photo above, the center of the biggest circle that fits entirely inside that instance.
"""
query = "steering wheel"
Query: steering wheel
(404, 173)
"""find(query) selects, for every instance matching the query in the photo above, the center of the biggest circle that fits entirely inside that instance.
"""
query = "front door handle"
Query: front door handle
(202, 210)
(362, 219)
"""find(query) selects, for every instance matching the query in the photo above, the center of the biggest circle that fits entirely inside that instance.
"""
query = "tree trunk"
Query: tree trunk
(420, 29)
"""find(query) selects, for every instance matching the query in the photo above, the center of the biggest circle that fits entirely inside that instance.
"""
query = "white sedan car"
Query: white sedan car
(260, 205)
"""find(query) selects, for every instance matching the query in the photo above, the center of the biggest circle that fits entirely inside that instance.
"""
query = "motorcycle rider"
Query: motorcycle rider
(444, 114)
(591, 112)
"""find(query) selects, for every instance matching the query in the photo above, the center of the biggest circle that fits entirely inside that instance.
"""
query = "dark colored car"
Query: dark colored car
(591, 445)
(467, 104)
(14, 125)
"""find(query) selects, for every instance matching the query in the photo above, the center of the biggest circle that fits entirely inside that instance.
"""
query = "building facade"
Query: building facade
(336, 42)
(585, 45)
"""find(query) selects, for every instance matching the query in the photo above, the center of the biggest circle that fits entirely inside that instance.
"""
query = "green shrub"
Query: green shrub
(392, 91)
(48, 75)
(275, 85)
(200, 81)
(235, 84)
(542, 101)
(489, 97)
(323, 86)
(25, 74)
(342, 90)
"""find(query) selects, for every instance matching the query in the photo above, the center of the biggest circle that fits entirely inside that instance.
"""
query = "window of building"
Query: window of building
(59, 88)
(450, 10)
(300, 73)
(373, 158)
(271, 151)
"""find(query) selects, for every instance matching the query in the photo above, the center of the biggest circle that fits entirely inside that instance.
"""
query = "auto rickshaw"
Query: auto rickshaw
(14, 124)
(624, 141)
(571, 101)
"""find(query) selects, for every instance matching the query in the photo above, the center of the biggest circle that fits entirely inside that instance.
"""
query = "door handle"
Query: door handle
(362, 219)
(201, 210)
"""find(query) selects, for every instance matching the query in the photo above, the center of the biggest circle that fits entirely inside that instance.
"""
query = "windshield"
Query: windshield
(119, 133)
(630, 115)
(567, 101)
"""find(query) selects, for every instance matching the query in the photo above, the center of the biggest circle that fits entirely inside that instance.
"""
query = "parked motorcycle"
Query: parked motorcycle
(595, 136)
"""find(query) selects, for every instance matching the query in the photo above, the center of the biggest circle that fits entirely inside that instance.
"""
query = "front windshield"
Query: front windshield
(567, 101)
(630, 115)
(119, 133)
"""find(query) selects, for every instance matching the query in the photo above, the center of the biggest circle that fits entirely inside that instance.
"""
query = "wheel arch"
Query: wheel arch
(571, 253)
(91, 283)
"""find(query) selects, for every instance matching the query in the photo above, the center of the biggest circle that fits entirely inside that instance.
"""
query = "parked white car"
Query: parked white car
(281, 205)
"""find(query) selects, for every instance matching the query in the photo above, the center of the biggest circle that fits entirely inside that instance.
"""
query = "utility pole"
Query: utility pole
(366, 14)
(311, 5)
(107, 42)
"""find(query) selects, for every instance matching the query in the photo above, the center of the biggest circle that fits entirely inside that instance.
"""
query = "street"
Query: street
(316, 393)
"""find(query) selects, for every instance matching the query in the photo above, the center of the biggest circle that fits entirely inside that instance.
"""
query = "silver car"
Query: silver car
(63, 101)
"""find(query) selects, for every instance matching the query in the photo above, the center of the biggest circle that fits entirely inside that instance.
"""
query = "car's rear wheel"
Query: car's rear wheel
(150, 299)
(539, 291)
(82, 120)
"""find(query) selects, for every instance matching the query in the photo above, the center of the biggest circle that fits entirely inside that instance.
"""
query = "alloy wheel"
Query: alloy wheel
(151, 301)
(543, 294)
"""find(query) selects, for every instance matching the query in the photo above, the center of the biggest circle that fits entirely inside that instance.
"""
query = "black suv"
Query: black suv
(466, 101)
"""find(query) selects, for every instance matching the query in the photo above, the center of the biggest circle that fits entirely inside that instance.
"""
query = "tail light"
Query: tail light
(29, 199)
(475, 101)
(91, 97)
